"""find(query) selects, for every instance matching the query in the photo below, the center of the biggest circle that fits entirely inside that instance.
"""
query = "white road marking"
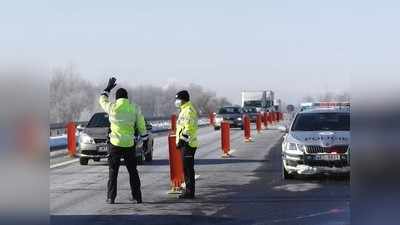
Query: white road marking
(63, 163)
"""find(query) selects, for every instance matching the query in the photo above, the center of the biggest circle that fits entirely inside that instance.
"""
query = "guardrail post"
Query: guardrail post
(247, 132)
(71, 139)
(259, 123)
(173, 123)
(225, 139)
(175, 165)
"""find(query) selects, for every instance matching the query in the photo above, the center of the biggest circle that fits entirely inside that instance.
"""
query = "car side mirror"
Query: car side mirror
(80, 127)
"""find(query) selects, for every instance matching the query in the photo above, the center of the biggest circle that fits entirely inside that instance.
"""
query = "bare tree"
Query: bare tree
(73, 98)
(70, 95)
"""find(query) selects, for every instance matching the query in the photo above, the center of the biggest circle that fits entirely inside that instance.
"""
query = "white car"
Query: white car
(317, 142)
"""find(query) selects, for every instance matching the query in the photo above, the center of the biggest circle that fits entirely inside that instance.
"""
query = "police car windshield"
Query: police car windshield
(229, 110)
(322, 122)
(99, 120)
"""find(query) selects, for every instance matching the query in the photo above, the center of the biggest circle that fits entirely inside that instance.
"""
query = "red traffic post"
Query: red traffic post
(259, 123)
(225, 139)
(265, 120)
(279, 116)
(175, 166)
(71, 139)
(246, 128)
(173, 123)
(270, 119)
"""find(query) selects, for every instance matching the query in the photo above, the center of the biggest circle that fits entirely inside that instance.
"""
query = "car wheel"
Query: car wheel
(149, 156)
(286, 175)
(217, 128)
(96, 159)
(83, 161)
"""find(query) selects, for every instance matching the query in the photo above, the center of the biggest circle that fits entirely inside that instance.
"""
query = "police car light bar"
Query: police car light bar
(331, 104)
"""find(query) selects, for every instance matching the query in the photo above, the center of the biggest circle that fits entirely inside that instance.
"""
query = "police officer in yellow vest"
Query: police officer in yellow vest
(186, 137)
(125, 117)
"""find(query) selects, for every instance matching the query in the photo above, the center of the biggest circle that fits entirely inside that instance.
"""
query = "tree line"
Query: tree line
(73, 98)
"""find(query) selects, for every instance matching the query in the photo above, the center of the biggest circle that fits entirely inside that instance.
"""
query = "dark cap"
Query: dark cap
(183, 95)
(121, 93)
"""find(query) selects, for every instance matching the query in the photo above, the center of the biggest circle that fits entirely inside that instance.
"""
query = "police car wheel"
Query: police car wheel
(83, 161)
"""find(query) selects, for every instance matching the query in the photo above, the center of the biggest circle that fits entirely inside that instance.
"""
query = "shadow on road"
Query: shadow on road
(137, 219)
(163, 162)
(269, 199)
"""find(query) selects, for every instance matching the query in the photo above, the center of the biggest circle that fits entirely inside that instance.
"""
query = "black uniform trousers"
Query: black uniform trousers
(114, 161)
(188, 168)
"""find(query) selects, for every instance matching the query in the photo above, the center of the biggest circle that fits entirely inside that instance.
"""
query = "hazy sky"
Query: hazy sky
(295, 48)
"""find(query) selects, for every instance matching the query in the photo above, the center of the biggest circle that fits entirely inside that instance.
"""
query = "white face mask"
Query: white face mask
(178, 103)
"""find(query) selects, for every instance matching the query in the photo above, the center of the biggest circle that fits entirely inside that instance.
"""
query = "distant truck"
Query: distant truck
(261, 100)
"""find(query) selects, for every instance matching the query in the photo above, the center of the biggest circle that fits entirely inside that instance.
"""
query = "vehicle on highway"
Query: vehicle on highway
(232, 114)
(262, 100)
(251, 112)
(317, 142)
(94, 141)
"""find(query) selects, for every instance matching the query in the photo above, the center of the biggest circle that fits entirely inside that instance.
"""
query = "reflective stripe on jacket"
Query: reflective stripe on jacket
(125, 118)
(187, 124)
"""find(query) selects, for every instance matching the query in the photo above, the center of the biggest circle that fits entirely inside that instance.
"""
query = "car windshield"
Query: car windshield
(322, 122)
(250, 110)
(254, 103)
(229, 110)
(99, 120)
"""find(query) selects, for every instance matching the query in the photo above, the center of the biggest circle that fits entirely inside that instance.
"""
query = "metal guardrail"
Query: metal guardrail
(160, 124)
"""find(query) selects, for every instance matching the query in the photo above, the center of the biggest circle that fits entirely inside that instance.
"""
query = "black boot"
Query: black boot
(186, 195)
(138, 199)
(110, 201)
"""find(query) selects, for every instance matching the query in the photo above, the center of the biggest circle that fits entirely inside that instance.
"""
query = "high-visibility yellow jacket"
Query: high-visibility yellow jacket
(125, 118)
(186, 126)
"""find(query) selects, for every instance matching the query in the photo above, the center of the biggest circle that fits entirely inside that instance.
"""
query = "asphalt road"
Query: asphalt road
(244, 189)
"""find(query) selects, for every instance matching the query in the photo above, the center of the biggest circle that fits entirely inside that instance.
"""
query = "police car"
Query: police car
(318, 142)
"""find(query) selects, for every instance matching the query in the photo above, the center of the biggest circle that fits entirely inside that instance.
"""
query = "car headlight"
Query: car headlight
(291, 146)
(85, 139)
(295, 147)
(239, 119)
